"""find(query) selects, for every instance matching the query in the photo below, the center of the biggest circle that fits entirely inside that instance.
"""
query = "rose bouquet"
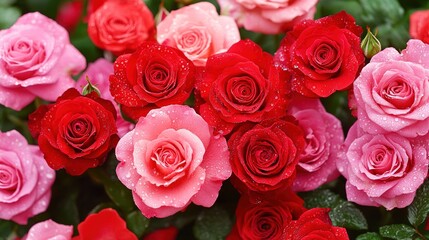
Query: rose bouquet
(228, 119)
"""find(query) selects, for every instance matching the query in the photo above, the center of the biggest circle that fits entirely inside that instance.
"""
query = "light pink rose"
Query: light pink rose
(392, 91)
(36, 59)
(198, 31)
(25, 179)
(49, 230)
(324, 137)
(98, 73)
(383, 169)
(172, 159)
(268, 16)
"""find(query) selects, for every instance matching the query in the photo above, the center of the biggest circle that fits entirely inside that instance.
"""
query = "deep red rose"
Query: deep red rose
(120, 26)
(240, 85)
(266, 217)
(169, 233)
(76, 132)
(419, 25)
(69, 14)
(315, 224)
(151, 77)
(322, 55)
(264, 156)
(104, 225)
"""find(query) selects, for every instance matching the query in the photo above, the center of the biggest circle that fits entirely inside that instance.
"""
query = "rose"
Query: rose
(419, 21)
(267, 16)
(49, 230)
(392, 92)
(171, 159)
(383, 169)
(264, 156)
(265, 217)
(106, 224)
(323, 139)
(153, 76)
(25, 179)
(36, 59)
(76, 132)
(315, 224)
(169, 233)
(121, 26)
(69, 14)
(240, 85)
(198, 31)
(98, 74)
(323, 55)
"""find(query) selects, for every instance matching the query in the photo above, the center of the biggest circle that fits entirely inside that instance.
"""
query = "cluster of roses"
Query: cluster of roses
(256, 118)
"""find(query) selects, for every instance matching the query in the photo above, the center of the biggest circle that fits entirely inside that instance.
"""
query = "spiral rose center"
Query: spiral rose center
(265, 159)
(9, 179)
(194, 42)
(80, 133)
(398, 93)
(157, 80)
(324, 57)
(169, 161)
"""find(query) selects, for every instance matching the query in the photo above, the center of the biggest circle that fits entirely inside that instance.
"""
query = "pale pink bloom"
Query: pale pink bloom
(49, 230)
(198, 31)
(36, 59)
(98, 73)
(392, 91)
(170, 160)
(268, 16)
(324, 137)
(25, 179)
(383, 169)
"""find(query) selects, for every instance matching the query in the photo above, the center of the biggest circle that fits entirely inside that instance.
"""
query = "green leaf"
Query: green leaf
(6, 228)
(120, 195)
(8, 16)
(323, 198)
(376, 12)
(329, 7)
(137, 223)
(369, 236)
(349, 216)
(419, 209)
(397, 231)
(212, 224)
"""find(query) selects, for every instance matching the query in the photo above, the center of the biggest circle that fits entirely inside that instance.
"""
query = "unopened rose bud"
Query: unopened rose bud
(89, 88)
(370, 44)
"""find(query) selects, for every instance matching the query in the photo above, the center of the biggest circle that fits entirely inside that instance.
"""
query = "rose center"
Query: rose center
(264, 159)
(9, 179)
(79, 133)
(398, 93)
(194, 42)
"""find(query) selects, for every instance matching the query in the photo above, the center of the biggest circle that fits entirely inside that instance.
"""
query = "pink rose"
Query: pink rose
(98, 73)
(49, 230)
(25, 179)
(324, 137)
(383, 169)
(392, 91)
(198, 31)
(268, 16)
(36, 59)
(171, 159)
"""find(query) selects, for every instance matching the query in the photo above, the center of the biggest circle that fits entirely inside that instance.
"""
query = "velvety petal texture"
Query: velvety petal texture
(49, 230)
(198, 31)
(36, 60)
(172, 159)
(25, 179)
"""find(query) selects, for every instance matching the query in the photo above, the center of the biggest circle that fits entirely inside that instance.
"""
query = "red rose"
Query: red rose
(419, 25)
(315, 224)
(322, 55)
(104, 225)
(76, 132)
(151, 77)
(264, 156)
(169, 233)
(240, 85)
(69, 14)
(121, 26)
(265, 217)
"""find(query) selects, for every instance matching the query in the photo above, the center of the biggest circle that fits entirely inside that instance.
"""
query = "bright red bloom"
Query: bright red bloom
(419, 25)
(322, 55)
(266, 216)
(121, 26)
(76, 132)
(104, 225)
(315, 224)
(240, 85)
(151, 77)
